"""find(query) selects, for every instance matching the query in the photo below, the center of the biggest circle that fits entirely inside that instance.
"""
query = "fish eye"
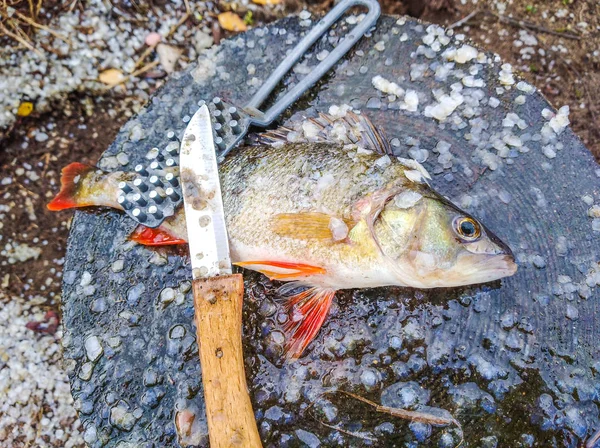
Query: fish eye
(467, 228)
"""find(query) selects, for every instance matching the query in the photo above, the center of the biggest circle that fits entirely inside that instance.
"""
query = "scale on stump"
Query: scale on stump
(516, 361)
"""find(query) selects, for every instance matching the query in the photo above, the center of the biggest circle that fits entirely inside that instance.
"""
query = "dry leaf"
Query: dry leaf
(231, 22)
(111, 77)
(266, 2)
(25, 108)
(168, 56)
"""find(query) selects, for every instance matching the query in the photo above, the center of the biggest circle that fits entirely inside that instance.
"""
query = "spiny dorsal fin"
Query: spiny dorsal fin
(348, 128)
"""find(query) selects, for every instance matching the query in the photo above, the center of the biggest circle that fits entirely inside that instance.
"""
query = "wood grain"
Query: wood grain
(218, 304)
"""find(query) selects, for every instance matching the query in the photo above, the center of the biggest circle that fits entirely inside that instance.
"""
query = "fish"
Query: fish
(323, 207)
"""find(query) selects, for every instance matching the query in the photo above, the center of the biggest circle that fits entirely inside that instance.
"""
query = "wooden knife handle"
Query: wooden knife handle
(218, 304)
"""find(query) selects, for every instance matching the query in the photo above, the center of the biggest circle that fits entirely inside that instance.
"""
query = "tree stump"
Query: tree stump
(516, 360)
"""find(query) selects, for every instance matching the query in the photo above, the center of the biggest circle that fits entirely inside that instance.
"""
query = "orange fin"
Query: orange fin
(311, 225)
(66, 198)
(308, 310)
(154, 237)
(281, 270)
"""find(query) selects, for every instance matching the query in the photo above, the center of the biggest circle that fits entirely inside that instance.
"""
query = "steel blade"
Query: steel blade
(203, 203)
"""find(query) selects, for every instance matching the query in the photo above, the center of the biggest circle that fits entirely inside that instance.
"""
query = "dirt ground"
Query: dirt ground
(554, 44)
(529, 35)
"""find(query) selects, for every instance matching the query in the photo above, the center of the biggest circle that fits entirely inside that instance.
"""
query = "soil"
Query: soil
(80, 136)
(84, 127)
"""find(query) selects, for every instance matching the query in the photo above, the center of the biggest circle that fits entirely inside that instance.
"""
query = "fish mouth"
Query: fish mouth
(474, 269)
(483, 269)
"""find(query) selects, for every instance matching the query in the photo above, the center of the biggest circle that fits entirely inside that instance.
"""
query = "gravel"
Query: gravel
(93, 42)
(35, 401)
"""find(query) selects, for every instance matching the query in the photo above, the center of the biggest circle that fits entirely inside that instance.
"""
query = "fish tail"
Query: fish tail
(72, 178)
(154, 237)
(308, 310)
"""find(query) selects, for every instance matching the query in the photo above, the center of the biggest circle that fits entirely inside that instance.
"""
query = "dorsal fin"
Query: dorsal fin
(348, 128)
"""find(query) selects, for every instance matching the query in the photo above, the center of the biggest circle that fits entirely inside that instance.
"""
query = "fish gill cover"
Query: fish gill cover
(515, 361)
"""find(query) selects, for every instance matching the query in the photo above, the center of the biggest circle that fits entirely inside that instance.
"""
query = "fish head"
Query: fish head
(432, 243)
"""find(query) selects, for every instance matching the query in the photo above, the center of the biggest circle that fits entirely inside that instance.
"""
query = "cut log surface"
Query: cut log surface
(516, 361)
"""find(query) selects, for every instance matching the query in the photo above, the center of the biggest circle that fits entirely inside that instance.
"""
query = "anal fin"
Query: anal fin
(281, 270)
(308, 310)
(154, 237)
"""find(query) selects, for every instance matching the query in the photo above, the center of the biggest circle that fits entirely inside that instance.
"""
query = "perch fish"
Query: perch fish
(325, 207)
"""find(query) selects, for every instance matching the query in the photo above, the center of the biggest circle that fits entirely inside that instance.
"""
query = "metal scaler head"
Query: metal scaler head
(230, 124)
(150, 197)
(155, 193)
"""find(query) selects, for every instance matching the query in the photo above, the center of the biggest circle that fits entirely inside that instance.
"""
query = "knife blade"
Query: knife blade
(202, 199)
(218, 294)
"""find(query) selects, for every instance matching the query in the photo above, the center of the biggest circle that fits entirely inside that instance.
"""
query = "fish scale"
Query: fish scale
(155, 193)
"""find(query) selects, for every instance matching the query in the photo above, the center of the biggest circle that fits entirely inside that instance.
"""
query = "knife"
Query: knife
(218, 293)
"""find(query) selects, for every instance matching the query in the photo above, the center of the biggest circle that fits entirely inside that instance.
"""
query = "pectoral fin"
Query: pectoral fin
(310, 225)
(154, 237)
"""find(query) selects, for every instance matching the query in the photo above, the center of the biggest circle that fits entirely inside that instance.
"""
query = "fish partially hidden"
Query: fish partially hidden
(325, 207)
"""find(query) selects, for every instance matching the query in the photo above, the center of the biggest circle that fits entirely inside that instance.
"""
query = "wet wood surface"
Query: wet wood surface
(515, 361)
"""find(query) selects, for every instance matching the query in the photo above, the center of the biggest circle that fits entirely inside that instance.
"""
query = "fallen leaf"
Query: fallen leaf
(168, 56)
(49, 325)
(25, 108)
(266, 2)
(111, 77)
(231, 22)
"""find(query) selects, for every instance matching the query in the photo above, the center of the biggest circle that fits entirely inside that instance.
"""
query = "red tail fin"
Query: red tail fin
(67, 196)
(154, 237)
(308, 312)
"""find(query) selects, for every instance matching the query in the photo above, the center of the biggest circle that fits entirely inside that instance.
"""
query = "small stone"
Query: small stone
(572, 313)
(489, 442)
(152, 39)
(86, 371)
(404, 395)
(369, 378)
(538, 261)
(93, 348)
(122, 418)
(177, 332)
(308, 438)
(117, 265)
(167, 295)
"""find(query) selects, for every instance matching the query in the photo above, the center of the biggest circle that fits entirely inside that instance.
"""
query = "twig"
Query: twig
(337, 428)
(345, 431)
(20, 40)
(26, 190)
(531, 26)
(32, 22)
(415, 416)
(31, 8)
(46, 158)
(465, 19)
(515, 22)
(591, 443)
